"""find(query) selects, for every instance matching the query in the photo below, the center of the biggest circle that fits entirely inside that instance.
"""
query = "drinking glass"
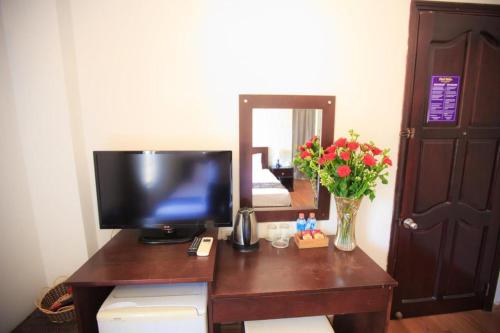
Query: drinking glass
(272, 232)
(284, 237)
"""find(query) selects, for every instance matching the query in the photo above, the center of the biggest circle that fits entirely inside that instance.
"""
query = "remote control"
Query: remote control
(194, 246)
(205, 246)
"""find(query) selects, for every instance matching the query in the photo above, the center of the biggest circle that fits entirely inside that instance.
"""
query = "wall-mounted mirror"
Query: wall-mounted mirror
(271, 128)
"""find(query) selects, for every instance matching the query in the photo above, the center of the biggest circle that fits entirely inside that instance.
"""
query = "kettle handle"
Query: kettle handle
(247, 231)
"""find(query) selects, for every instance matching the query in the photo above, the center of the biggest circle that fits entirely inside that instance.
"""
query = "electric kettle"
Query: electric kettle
(245, 236)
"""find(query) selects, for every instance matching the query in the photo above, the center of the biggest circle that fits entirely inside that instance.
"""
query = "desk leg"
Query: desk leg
(365, 322)
(212, 328)
(88, 300)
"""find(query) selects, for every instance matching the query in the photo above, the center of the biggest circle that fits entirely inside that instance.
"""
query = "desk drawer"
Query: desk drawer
(300, 304)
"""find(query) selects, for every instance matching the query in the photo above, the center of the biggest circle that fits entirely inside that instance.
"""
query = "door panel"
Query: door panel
(464, 260)
(449, 58)
(486, 101)
(478, 173)
(450, 184)
(424, 244)
(434, 174)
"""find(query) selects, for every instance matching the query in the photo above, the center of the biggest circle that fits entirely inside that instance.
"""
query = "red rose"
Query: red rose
(331, 149)
(353, 145)
(387, 161)
(369, 160)
(376, 151)
(345, 155)
(343, 171)
(305, 154)
(322, 160)
(301, 148)
(341, 142)
(314, 138)
(309, 144)
(366, 147)
(330, 156)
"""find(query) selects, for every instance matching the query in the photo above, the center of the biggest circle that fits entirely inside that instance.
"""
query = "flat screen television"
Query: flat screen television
(170, 195)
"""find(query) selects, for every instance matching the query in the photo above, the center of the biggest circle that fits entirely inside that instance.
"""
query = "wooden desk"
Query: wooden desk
(276, 283)
(123, 260)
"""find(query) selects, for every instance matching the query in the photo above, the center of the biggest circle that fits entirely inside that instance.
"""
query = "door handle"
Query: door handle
(410, 224)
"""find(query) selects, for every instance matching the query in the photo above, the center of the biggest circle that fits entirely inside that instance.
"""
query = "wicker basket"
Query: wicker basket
(49, 296)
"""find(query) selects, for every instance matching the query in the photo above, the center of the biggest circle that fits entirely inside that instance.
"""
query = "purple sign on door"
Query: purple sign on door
(443, 98)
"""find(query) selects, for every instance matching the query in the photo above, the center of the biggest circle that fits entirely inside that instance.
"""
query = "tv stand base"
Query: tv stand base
(175, 236)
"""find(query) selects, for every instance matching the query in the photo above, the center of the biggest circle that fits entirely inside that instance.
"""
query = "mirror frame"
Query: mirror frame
(250, 102)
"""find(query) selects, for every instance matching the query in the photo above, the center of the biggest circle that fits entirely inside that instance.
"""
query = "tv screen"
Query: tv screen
(153, 189)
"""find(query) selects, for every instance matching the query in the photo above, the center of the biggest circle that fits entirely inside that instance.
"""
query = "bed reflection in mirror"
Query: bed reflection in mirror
(276, 134)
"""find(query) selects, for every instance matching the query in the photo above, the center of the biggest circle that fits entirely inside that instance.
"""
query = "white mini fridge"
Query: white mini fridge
(165, 308)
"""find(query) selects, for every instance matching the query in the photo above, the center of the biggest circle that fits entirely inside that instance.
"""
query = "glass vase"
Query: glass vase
(347, 209)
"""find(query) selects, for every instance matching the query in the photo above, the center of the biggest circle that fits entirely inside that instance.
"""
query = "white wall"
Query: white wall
(33, 46)
(167, 75)
(22, 273)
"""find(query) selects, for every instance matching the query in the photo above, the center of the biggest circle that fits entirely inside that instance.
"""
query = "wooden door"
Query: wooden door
(449, 173)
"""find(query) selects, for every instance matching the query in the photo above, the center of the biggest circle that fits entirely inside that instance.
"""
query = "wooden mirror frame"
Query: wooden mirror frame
(250, 102)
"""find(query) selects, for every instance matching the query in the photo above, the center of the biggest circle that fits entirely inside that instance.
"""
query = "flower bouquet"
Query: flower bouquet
(349, 170)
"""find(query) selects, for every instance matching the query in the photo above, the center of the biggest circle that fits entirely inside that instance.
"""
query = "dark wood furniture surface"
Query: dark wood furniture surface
(285, 176)
(269, 283)
(124, 260)
(276, 283)
(246, 104)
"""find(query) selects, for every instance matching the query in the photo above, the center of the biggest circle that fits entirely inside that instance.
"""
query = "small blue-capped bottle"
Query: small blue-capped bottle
(311, 222)
(301, 222)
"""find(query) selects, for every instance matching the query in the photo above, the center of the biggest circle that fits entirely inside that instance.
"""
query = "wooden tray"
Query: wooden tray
(310, 243)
